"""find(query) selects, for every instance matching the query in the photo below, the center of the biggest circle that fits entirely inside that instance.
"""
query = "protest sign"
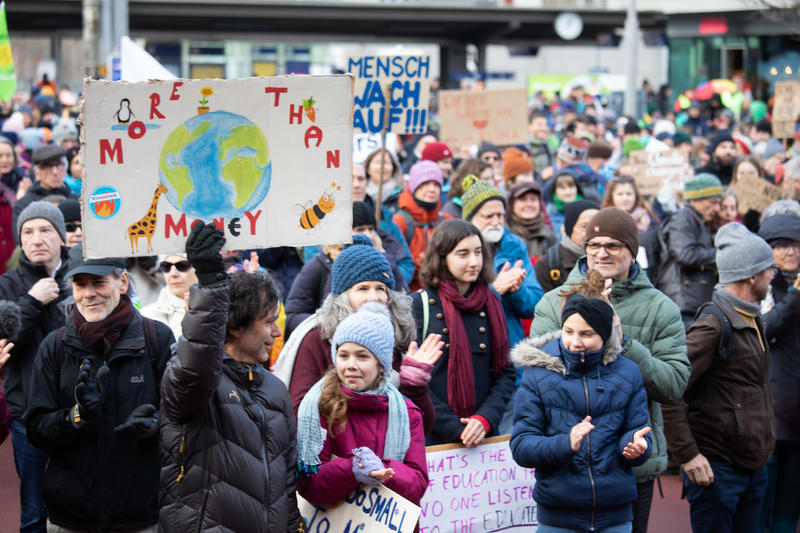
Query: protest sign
(499, 116)
(366, 143)
(368, 509)
(652, 170)
(267, 160)
(477, 489)
(403, 80)
(753, 192)
(786, 109)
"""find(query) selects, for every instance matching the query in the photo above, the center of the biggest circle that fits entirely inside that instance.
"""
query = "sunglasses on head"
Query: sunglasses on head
(182, 266)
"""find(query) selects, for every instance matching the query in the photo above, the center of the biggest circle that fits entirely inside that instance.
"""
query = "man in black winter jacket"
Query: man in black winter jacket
(92, 405)
(228, 435)
(35, 286)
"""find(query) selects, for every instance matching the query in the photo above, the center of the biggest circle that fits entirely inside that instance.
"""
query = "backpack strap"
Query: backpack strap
(412, 225)
(725, 323)
(425, 313)
(554, 263)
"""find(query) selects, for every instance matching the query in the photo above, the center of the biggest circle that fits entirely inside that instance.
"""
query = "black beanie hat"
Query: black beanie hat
(719, 138)
(596, 312)
(363, 215)
(573, 210)
(71, 209)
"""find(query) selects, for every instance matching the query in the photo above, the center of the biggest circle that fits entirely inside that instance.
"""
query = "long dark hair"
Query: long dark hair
(444, 239)
(608, 199)
(467, 167)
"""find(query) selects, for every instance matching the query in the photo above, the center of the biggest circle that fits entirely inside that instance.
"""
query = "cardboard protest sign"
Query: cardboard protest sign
(652, 170)
(499, 116)
(786, 109)
(403, 80)
(756, 193)
(370, 508)
(477, 489)
(265, 159)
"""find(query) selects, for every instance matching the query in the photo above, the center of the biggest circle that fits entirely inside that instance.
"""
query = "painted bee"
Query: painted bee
(310, 215)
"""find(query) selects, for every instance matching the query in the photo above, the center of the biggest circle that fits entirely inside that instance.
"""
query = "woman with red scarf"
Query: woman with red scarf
(473, 381)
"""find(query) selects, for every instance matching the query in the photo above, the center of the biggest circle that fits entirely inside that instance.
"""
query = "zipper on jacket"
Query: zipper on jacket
(588, 442)
(250, 372)
(180, 459)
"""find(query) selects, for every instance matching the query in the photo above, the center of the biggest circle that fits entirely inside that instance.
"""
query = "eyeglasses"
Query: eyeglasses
(182, 266)
(486, 158)
(72, 226)
(58, 163)
(787, 247)
(611, 248)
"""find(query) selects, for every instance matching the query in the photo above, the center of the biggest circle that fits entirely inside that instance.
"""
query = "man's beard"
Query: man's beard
(725, 162)
(492, 234)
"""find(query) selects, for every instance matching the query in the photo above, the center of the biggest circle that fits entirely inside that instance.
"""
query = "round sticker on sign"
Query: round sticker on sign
(104, 202)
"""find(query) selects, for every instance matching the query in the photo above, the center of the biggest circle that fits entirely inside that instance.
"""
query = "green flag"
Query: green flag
(8, 79)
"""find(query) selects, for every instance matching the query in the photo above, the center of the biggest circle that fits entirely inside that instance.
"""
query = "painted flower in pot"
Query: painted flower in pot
(206, 92)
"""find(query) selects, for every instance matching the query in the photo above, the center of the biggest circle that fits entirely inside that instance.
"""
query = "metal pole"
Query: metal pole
(120, 21)
(631, 47)
(91, 31)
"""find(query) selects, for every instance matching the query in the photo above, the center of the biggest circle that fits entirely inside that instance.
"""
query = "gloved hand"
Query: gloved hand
(202, 250)
(89, 392)
(369, 462)
(141, 423)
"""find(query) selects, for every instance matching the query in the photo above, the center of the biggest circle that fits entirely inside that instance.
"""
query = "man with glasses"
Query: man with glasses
(71, 209)
(653, 335)
(689, 275)
(723, 430)
(781, 314)
(49, 169)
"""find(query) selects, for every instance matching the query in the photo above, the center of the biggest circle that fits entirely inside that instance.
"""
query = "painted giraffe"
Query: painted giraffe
(146, 227)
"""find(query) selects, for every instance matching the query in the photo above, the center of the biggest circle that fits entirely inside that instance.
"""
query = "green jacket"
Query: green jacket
(656, 342)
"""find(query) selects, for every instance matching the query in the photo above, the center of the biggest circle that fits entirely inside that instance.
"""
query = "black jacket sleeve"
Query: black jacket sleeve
(194, 372)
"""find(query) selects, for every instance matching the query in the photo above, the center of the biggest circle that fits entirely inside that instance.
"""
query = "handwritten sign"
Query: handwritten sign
(653, 170)
(267, 160)
(403, 81)
(469, 117)
(366, 143)
(756, 193)
(786, 109)
(370, 508)
(477, 489)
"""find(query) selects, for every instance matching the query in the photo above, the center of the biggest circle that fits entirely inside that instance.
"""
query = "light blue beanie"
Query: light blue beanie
(371, 328)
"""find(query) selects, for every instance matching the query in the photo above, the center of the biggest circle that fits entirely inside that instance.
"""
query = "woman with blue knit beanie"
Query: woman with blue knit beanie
(359, 274)
(580, 417)
(354, 426)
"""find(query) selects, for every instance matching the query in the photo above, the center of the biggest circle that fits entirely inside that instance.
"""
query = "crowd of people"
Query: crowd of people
(529, 290)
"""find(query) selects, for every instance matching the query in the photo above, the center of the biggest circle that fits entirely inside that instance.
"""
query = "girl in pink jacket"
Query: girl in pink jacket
(372, 434)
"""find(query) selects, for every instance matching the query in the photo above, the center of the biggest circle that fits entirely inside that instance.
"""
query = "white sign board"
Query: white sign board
(265, 159)
(368, 509)
(477, 489)
(403, 81)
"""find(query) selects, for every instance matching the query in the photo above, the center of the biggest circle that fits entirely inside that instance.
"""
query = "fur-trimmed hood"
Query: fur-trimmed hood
(544, 352)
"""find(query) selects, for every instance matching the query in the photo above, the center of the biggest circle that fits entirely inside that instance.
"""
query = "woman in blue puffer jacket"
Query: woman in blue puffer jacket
(581, 419)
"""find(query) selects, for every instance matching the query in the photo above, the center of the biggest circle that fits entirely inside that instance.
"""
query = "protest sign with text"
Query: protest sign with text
(477, 489)
(368, 509)
(265, 159)
(786, 109)
(652, 170)
(403, 81)
(499, 116)
(753, 192)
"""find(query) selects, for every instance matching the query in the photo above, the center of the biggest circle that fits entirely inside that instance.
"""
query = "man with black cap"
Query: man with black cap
(651, 322)
(722, 150)
(35, 286)
(93, 405)
(557, 262)
(71, 209)
(781, 314)
(723, 430)
(50, 169)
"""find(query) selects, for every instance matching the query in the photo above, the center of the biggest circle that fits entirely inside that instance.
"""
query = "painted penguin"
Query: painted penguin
(124, 112)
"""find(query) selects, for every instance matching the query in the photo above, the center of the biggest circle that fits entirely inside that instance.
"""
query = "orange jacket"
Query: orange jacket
(424, 224)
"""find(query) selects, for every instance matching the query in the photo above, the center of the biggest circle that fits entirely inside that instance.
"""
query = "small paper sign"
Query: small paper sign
(786, 109)
(756, 193)
(652, 170)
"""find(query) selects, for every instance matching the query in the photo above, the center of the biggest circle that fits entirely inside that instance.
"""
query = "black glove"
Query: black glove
(202, 250)
(141, 423)
(89, 392)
